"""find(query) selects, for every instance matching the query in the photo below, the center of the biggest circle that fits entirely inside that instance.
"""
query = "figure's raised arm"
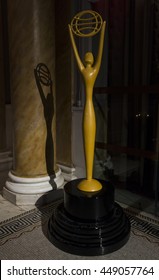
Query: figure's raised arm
(79, 62)
(100, 49)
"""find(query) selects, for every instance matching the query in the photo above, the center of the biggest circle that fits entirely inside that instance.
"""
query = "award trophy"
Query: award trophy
(88, 222)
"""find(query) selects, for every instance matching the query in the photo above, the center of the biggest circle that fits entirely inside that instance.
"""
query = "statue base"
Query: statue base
(88, 223)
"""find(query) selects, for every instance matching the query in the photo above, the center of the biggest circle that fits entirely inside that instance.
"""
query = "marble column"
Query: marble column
(5, 155)
(31, 41)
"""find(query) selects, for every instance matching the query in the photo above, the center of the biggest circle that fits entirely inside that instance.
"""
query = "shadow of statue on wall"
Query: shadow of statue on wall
(44, 84)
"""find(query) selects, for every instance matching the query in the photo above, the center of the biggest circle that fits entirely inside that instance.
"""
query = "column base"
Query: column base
(6, 163)
(67, 172)
(30, 191)
(32, 199)
(88, 223)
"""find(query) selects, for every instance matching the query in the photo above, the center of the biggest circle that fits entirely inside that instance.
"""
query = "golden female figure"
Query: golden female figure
(89, 71)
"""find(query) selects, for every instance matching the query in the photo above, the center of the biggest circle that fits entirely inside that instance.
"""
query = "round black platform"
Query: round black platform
(88, 205)
(88, 223)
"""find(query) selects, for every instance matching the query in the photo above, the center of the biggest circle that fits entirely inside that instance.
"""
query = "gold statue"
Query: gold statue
(85, 24)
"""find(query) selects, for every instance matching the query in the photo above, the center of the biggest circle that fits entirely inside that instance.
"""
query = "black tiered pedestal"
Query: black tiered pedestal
(88, 223)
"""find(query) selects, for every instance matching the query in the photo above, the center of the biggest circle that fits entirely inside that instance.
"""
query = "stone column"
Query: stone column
(5, 155)
(31, 41)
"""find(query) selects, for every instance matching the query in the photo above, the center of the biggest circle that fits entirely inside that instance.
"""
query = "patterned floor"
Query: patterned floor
(28, 221)
(144, 226)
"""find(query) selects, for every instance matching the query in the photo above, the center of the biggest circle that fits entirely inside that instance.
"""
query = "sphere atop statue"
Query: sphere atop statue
(86, 23)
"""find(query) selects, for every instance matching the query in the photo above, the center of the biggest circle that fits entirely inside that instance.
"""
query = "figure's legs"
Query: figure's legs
(89, 130)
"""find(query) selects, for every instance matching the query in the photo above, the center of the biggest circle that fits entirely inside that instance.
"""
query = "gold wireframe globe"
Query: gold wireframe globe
(86, 23)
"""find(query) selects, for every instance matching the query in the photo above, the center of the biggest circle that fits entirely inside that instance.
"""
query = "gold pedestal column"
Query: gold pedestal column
(31, 41)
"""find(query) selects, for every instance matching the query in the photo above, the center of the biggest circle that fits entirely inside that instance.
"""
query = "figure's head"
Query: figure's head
(89, 59)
